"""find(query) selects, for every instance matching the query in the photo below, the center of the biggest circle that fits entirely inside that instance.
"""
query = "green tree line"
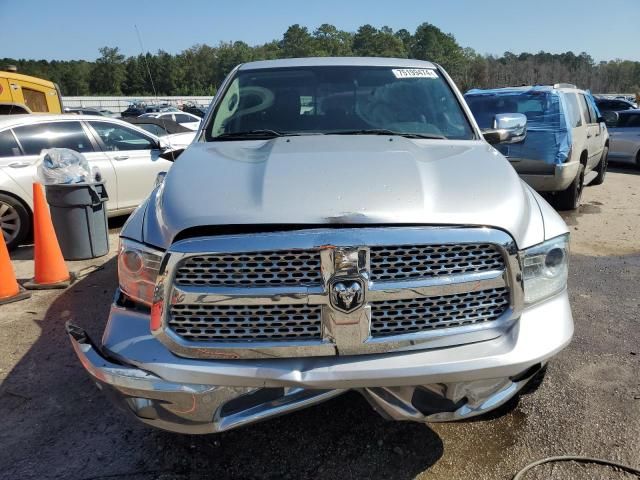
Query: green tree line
(201, 68)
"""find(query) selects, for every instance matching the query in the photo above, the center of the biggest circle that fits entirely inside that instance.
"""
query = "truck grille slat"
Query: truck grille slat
(257, 269)
(395, 263)
(200, 322)
(396, 317)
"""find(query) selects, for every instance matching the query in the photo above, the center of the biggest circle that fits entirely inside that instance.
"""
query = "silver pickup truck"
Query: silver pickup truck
(338, 224)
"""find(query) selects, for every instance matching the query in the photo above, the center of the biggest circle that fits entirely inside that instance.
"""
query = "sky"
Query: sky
(76, 29)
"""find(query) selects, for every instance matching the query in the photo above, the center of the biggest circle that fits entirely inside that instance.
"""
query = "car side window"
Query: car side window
(584, 108)
(8, 145)
(35, 138)
(633, 121)
(117, 138)
(574, 110)
(157, 130)
(592, 112)
(182, 118)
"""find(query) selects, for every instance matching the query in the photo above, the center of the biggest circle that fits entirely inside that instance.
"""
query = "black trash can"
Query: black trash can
(79, 216)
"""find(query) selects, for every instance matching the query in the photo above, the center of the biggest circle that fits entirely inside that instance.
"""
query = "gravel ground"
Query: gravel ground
(56, 424)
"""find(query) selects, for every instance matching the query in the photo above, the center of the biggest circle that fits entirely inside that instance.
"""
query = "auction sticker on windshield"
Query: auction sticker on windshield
(414, 73)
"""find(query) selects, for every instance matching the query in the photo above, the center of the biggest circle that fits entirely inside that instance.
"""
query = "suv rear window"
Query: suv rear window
(536, 106)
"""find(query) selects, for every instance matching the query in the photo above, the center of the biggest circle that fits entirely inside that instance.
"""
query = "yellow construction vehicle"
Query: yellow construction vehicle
(24, 94)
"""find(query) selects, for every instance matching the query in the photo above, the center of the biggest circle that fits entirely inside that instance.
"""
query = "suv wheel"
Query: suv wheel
(569, 199)
(14, 220)
(602, 167)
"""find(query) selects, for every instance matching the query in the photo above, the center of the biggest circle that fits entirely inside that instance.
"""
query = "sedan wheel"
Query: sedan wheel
(14, 221)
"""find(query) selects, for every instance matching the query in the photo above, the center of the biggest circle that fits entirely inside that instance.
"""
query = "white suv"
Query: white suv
(567, 141)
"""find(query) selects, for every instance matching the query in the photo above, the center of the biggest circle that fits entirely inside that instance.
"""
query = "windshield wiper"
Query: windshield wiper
(384, 131)
(262, 133)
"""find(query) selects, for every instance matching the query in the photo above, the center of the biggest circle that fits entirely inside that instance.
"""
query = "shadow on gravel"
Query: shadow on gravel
(58, 425)
(625, 168)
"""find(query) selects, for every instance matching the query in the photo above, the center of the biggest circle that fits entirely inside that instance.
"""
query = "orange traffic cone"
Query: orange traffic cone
(10, 290)
(50, 269)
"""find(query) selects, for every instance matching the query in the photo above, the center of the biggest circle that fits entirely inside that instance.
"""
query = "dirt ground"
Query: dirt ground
(54, 423)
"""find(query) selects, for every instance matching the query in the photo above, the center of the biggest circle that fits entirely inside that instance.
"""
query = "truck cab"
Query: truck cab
(25, 94)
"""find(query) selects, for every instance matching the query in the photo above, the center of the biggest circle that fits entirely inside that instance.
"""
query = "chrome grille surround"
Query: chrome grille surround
(337, 332)
(253, 269)
(403, 262)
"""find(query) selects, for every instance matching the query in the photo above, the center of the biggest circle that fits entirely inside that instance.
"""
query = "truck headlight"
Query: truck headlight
(138, 267)
(545, 269)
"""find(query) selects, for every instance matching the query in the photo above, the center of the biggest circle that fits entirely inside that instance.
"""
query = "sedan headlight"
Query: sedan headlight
(545, 269)
(138, 267)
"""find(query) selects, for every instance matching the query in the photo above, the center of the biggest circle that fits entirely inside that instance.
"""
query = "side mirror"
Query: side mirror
(507, 128)
(171, 155)
(163, 145)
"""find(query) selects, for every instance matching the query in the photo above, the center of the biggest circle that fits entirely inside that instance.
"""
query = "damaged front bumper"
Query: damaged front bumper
(204, 396)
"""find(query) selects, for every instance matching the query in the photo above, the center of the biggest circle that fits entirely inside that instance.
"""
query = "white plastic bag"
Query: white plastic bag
(63, 165)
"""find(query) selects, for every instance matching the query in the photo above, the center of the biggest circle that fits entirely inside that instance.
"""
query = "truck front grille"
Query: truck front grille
(396, 317)
(393, 263)
(257, 269)
(282, 293)
(246, 323)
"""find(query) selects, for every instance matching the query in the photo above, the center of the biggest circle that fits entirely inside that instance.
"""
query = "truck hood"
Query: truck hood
(322, 179)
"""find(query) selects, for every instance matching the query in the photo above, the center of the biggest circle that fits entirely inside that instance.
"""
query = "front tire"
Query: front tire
(602, 167)
(15, 220)
(569, 199)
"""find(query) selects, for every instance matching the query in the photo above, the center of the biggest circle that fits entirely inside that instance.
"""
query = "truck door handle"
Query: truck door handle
(121, 157)
(19, 164)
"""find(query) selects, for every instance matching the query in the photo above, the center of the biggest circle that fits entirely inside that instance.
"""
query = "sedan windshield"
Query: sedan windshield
(266, 103)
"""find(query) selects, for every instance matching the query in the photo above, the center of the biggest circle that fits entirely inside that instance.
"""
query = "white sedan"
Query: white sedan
(185, 119)
(128, 158)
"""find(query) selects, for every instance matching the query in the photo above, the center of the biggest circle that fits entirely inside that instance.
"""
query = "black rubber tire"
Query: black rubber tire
(22, 222)
(569, 199)
(602, 168)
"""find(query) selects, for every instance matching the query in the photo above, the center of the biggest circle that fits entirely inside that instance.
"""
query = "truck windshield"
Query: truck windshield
(415, 102)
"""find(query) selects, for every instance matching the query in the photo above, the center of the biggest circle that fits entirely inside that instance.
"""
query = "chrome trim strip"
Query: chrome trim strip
(342, 333)
(436, 286)
(241, 296)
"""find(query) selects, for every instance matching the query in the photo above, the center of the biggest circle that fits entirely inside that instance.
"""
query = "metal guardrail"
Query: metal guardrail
(119, 104)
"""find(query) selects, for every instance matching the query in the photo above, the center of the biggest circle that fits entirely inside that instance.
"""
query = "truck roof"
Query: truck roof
(26, 78)
(337, 62)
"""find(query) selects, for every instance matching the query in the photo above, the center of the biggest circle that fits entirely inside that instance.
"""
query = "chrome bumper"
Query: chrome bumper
(557, 179)
(205, 396)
